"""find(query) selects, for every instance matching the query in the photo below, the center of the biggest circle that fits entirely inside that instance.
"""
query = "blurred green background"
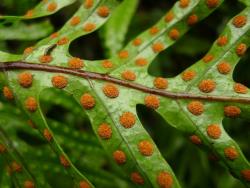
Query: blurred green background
(191, 165)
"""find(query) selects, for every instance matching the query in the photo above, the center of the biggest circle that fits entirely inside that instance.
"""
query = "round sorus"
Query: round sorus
(184, 3)
(103, 11)
(88, 27)
(31, 124)
(84, 184)
(214, 131)
(28, 50)
(59, 81)
(64, 161)
(232, 111)
(141, 62)
(7, 93)
(137, 42)
(174, 34)
(152, 101)
(160, 83)
(123, 54)
(88, 4)
(169, 16)
(54, 35)
(157, 47)
(195, 107)
(239, 21)
(29, 184)
(146, 148)
(104, 131)
(188, 75)
(224, 67)
(87, 101)
(246, 174)
(25, 79)
(75, 21)
(110, 90)
(241, 49)
(107, 64)
(52, 7)
(45, 58)
(63, 41)
(29, 14)
(213, 157)
(207, 58)
(165, 180)
(75, 63)
(207, 86)
(153, 30)
(212, 3)
(31, 104)
(192, 19)
(222, 41)
(128, 75)
(195, 139)
(127, 120)
(240, 88)
(231, 153)
(47, 135)
(2, 149)
(137, 178)
(16, 167)
(119, 157)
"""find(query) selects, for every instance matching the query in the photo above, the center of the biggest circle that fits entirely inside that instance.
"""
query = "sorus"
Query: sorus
(45, 58)
(128, 75)
(241, 49)
(195, 140)
(232, 111)
(169, 16)
(7, 93)
(29, 14)
(174, 34)
(188, 75)
(75, 21)
(207, 58)
(195, 107)
(231, 153)
(88, 27)
(25, 79)
(160, 83)
(192, 19)
(239, 21)
(59, 81)
(207, 86)
(103, 11)
(137, 178)
(87, 101)
(153, 30)
(64, 161)
(184, 3)
(123, 54)
(88, 3)
(119, 157)
(152, 101)
(165, 180)
(104, 131)
(63, 41)
(107, 64)
(110, 90)
(141, 62)
(245, 174)
(240, 88)
(31, 124)
(146, 148)
(52, 7)
(84, 184)
(212, 3)
(47, 135)
(222, 41)
(127, 120)
(2, 148)
(137, 42)
(75, 63)
(16, 167)
(214, 131)
(29, 184)
(157, 47)
(31, 104)
(28, 50)
(54, 35)
(224, 67)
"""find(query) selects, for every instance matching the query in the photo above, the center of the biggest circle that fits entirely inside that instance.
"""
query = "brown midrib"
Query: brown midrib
(6, 66)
